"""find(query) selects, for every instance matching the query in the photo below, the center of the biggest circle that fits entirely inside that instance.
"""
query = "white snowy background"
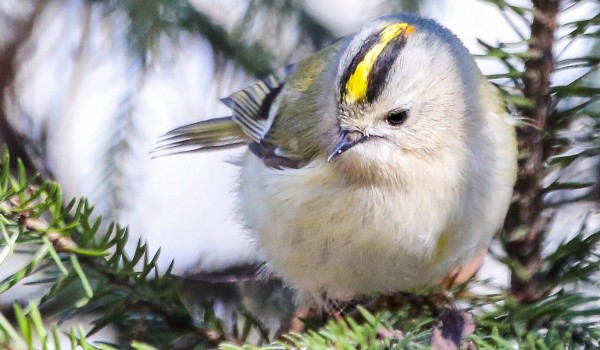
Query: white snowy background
(75, 77)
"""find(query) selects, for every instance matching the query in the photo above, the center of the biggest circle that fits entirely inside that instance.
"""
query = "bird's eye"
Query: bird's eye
(397, 117)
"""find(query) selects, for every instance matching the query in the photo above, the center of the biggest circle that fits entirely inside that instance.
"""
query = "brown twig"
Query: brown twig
(526, 223)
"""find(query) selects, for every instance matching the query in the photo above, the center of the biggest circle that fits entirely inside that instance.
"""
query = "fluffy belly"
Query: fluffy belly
(321, 235)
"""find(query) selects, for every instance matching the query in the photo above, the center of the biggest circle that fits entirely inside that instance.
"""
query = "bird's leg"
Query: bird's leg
(465, 272)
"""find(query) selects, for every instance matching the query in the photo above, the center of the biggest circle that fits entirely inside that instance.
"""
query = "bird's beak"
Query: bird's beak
(346, 140)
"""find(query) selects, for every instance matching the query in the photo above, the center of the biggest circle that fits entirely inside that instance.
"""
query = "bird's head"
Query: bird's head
(406, 94)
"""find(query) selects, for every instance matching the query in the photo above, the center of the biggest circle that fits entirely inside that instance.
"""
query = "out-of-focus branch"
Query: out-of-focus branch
(7, 55)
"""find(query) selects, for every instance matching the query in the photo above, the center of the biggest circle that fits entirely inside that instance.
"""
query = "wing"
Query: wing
(251, 106)
(287, 97)
(218, 133)
(250, 121)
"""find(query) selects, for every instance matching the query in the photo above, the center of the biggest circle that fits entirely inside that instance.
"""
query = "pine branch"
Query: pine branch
(526, 213)
(151, 18)
(545, 182)
(88, 272)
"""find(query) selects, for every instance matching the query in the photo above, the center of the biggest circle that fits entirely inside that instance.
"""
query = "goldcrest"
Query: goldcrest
(376, 165)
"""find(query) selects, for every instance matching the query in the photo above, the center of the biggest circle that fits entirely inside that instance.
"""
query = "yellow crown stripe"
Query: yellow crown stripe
(357, 84)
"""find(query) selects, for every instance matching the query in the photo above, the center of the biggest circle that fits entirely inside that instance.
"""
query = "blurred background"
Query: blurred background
(87, 87)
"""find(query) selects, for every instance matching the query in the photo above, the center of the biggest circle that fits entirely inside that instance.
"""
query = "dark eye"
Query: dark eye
(397, 117)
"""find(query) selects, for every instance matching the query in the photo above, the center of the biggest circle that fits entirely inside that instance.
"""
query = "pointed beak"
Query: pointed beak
(346, 140)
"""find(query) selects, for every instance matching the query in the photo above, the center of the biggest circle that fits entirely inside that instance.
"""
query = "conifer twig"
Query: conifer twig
(526, 223)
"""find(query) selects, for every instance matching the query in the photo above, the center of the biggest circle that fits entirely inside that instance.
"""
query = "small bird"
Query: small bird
(375, 165)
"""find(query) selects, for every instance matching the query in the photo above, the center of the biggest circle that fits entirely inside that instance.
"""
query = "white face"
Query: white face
(425, 110)
(424, 104)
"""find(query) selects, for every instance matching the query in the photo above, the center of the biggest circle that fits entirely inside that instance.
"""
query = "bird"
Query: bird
(373, 166)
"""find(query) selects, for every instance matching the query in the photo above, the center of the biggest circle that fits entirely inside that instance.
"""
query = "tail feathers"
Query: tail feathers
(218, 133)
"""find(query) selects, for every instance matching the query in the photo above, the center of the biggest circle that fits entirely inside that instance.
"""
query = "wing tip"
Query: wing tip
(228, 101)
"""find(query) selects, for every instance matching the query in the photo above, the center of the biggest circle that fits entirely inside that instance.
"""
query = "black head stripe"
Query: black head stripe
(383, 64)
(377, 76)
(360, 55)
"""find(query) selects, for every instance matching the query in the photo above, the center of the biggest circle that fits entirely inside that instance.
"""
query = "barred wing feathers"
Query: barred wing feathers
(250, 121)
